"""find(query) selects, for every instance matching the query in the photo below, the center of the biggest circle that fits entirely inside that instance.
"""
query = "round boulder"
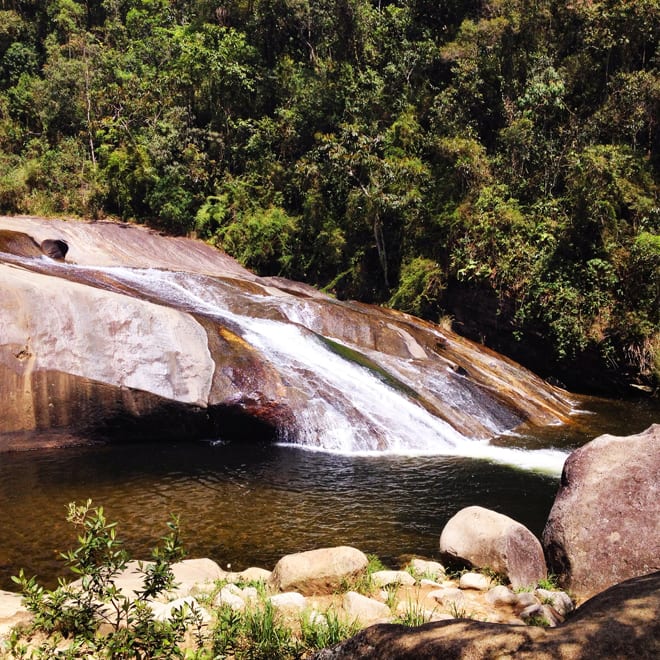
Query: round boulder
(320, 571)
(604, 526)
(483, 539)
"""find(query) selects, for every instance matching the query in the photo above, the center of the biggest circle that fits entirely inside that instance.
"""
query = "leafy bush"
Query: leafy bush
(420, 289)
(92, 615)
(92, 618)
(262, 240)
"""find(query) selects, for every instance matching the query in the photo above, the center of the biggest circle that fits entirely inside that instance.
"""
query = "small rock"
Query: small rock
(12, 612)
(424, 582)
(363, 609)
(233, 589)
(428, 569)
(10, 604)
(524, 600)
(551, 615)
(501, 595)
(165, 611)
(559, 600)
(540, 615)
(230, 598)
(475, 581)
(385, 578)
(254, 574)
(531, 611)
(195, 575)
(289, 600)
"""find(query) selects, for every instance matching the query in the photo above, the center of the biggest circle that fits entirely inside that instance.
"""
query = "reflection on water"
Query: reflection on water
(249, 505)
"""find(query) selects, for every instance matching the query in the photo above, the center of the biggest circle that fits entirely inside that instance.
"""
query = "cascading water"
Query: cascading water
(339, 405)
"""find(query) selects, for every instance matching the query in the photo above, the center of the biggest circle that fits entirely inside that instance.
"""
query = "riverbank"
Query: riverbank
(337, 584)
(348, 605)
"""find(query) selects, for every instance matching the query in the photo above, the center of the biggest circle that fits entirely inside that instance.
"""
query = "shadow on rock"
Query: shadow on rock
(619, 623)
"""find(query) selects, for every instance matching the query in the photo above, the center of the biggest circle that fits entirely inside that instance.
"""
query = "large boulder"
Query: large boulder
(618, 624)
(484, 539)
(320, 571)
(604, 526)
(137, 334)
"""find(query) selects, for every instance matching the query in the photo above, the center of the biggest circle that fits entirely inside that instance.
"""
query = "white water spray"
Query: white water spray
(344, 406)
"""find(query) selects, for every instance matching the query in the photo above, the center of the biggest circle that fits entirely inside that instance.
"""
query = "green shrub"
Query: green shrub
(262, 240)
(92, 614)
(420, 289)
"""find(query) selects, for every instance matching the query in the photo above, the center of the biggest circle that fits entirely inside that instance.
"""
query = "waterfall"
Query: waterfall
(344, 397)
(347, 407)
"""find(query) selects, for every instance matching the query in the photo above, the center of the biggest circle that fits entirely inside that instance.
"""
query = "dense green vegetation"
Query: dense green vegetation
(492, 160)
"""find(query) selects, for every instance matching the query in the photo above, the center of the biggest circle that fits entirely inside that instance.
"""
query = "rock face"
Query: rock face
(486, 539)
(604, 526)
(318, 571)
(136, 333)
(619, 624)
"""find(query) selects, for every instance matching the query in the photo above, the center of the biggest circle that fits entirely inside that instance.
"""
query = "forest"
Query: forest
(490, 164)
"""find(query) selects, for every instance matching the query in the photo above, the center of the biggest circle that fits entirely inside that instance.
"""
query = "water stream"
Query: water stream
(344, 407)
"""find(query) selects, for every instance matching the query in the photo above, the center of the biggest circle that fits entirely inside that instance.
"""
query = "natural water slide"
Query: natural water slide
(132, 332)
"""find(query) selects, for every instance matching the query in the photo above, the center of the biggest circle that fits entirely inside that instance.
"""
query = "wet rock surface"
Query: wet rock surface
(134, 330)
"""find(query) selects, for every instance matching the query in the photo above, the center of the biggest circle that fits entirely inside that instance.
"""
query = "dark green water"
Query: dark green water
(248, 505)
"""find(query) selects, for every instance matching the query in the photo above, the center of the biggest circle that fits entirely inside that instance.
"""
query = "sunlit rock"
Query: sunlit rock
(621, 622)
(559, 600)
(385, 578)
(12, 613)
(321, 571)
(525, 599)
(486, 539)
(140, 335)
(195, 575)
(229, 598)
(475, 581)
(252, 574)
(500, 595)
(604, 526)
(363, 609)
(423, 568)
(289, 600)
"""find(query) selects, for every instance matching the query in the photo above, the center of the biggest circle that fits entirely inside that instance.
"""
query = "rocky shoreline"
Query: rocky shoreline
(490, 595)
